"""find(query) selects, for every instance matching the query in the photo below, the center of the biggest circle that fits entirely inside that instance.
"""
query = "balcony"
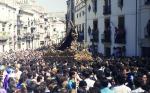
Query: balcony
(147, 2)
(4, 36)
(95, 36)
(107, 9)
(80, 37)
(28, 36)
(106, 37)
(120, 36)
(3, 39)
(20, 38)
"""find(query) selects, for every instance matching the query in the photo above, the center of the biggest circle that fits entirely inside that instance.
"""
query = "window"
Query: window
(94, 6)
(10, 26)
(107, 7)
(41, 42)
(3, 27)
(45, 19)
(83, 27)
(54, 29)
(107, 23)
(18, 32)
(89, 8)
(89, 30)
(80, 14)
(120, 4)
(77, 15)
(121, 22)
(83, 13)
(19, 45)
(148, 29)
(80, 28)
(147, 2)
(41, 26)
(25, 28)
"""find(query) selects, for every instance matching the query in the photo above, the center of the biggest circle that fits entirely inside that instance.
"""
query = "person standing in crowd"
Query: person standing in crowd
(121, 87)
(72, 81)
(90, 82)
(105, 88)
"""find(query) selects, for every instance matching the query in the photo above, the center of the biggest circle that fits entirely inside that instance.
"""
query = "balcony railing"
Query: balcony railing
(106, 37)
(147, 2)
(107, 9)
(120, 36)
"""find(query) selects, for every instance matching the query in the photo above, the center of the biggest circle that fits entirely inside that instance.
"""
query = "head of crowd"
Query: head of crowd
(29, 72)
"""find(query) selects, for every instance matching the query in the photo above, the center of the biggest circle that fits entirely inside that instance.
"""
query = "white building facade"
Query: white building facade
(57, 29)
(8, 26)
(80, 20)
(23, 25)
(117, 27)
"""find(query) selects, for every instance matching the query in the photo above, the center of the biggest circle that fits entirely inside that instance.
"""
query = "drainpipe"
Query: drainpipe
(136, 32)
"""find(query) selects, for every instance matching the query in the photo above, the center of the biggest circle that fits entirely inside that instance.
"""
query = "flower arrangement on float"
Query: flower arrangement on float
(83, 56)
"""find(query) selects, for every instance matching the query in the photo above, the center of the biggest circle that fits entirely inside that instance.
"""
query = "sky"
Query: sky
(54, 5)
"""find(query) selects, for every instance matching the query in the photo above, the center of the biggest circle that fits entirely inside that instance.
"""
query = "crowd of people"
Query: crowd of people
(29, 72)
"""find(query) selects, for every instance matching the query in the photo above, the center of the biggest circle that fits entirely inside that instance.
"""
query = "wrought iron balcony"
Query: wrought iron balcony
(120, 36)
(107, 9)
(106, 37)
(147, 2)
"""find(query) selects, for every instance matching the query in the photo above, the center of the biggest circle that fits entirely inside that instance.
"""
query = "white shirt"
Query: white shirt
(122, 89)
(18, 74)
(138, 90)
(90, 83)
